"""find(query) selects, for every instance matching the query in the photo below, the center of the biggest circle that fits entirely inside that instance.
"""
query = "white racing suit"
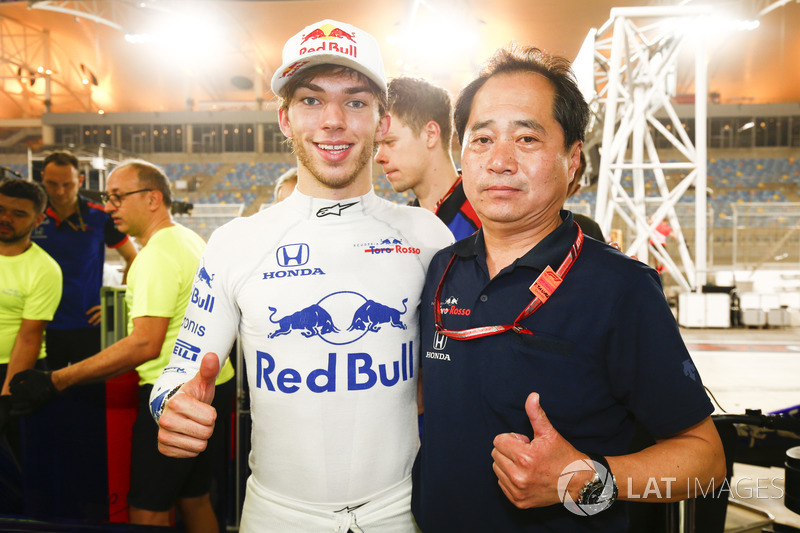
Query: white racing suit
(324, 296)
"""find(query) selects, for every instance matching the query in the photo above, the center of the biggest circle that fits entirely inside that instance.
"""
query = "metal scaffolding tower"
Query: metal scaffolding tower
(633, 63)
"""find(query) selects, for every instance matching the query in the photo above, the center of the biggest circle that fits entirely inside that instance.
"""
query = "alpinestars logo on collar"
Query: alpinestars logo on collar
(334, 210)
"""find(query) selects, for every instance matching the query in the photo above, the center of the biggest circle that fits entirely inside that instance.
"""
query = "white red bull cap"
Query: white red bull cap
(330, 43)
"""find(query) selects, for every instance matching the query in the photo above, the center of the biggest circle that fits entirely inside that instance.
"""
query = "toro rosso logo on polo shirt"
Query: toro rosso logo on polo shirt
(344, 307)
(450, 307)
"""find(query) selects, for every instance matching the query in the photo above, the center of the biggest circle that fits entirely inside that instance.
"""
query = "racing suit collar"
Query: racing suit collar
(322, 209)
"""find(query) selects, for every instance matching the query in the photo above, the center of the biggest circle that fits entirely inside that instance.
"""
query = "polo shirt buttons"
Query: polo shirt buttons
(484, 298)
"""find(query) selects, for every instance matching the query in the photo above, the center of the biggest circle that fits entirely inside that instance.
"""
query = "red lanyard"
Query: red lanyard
(536, 303)
(446, 196)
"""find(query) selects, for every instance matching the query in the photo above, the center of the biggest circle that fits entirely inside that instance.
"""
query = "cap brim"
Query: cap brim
(281, 78)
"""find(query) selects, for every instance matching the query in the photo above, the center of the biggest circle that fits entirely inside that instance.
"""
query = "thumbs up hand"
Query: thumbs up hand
(188, 419)
(528, 470)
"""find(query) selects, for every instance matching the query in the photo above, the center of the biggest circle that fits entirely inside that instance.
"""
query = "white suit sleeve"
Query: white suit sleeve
(210, 323)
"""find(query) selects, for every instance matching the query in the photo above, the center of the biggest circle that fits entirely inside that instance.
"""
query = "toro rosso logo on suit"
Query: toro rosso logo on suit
(387, 246)
(320, 319)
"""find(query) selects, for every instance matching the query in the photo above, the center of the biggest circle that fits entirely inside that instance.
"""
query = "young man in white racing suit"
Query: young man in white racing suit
(323, 290)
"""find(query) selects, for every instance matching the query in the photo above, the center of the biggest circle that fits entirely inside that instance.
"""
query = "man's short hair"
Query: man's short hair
(569, 107)
(27, 190)
(150, 177)
(305, 76)
(416, 102)
(61, 159)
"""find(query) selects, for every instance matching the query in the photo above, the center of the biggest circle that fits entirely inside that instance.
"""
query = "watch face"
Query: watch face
(597, 493)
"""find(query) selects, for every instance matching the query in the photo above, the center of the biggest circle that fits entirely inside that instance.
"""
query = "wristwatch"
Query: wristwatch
(163, 405)
(601, 491)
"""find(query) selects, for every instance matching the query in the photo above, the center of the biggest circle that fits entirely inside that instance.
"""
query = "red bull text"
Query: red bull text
(362, 373)
(329, 46)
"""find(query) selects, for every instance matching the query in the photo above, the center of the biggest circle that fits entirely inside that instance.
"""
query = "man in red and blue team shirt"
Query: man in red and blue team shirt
(416, 153)
(76, 232)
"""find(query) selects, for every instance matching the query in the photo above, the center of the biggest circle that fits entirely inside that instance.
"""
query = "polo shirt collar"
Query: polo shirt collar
(550, 251)
(83, 208)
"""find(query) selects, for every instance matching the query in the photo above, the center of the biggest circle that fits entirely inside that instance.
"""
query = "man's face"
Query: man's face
(132, 215)
(18, 217)
(515, 167)
(403, 155)
(333, 123)
(61, 183)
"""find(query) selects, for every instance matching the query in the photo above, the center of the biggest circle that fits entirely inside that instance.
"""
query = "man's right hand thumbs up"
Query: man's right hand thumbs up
(188, 419)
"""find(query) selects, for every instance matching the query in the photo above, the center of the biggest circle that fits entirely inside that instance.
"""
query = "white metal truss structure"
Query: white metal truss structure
(102, 12)
(635, 55)
(33, 75)
(36, 74)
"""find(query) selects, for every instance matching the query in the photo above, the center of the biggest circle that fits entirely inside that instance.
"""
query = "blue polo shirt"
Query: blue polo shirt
(78, 244)
(606, 351)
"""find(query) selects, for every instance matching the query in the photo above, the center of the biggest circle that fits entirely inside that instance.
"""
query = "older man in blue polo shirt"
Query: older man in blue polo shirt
(540, 349)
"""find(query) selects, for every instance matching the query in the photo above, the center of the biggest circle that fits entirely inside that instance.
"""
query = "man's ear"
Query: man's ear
(574, 160)
(283, 122)
(383, 127)
(154, 199)
(433, 134)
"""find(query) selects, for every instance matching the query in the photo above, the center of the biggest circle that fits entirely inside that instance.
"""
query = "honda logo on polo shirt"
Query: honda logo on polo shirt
(292, 255)
(439, 341)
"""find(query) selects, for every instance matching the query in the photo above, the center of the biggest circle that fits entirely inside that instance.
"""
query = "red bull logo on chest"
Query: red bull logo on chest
(340, 318)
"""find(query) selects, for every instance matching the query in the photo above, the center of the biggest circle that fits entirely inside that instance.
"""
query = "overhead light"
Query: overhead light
(88, 76)
(747, 126)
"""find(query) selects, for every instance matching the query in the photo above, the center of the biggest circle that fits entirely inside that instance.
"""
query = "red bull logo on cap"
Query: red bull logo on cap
(328, 34)
(294, 67)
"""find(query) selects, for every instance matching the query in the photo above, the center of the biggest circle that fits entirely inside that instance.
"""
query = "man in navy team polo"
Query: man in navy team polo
(76, 233)
(539, 348)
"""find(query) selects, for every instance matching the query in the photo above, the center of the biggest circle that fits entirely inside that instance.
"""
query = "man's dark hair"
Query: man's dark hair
(305, 76)
(61, 159)
(416, 102)
(28, 190)
(569, 107)
(150, 177)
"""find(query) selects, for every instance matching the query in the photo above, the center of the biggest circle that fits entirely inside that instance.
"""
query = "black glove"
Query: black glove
(30, 390)
(5, 413)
